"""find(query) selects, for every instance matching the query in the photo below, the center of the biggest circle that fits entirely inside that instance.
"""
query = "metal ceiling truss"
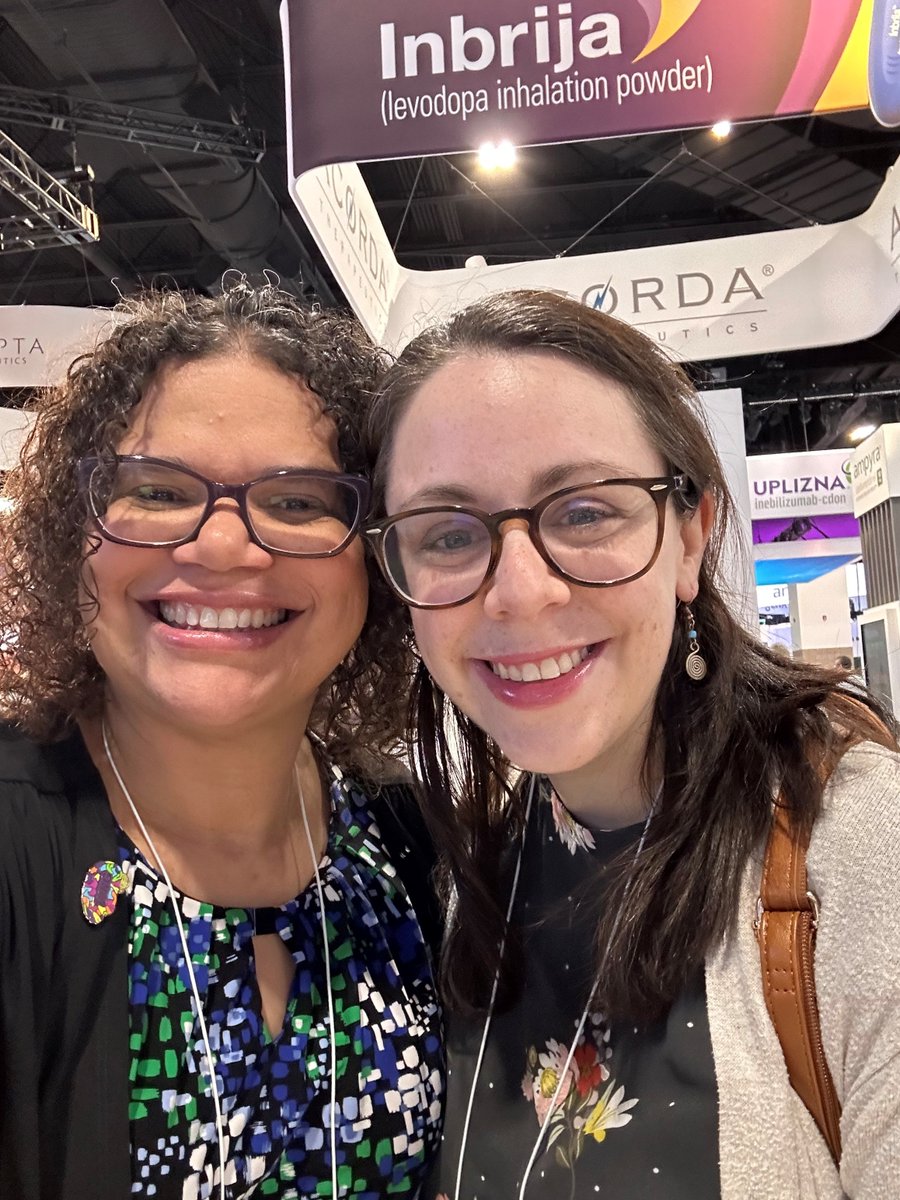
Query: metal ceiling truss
(123, 123)
(57, 216)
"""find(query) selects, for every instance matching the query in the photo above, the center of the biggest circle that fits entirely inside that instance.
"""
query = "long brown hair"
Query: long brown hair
(49, 675)
(759, 723)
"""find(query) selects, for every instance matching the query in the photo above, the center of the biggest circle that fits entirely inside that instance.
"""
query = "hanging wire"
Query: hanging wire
(87, 281)
(23, 278)
(496, 203)
(742, 183)
(640, 187)
(409, 200)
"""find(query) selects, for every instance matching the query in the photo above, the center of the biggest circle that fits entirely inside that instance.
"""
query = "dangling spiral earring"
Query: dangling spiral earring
(695, 663)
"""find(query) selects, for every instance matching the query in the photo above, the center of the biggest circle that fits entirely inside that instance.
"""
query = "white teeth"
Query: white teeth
(547, 668)
(228, 619)
(205, 617)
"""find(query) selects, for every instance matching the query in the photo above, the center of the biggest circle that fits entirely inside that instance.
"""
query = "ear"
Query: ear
(694, 531)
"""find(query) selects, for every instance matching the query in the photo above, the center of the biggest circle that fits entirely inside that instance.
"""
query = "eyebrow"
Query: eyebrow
(542, 482)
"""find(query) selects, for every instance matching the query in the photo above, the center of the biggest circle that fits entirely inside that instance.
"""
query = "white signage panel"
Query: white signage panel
(875, 467)
(795, 485)
(340, 212)
(38, 342)
(815, 286)
(724, 413)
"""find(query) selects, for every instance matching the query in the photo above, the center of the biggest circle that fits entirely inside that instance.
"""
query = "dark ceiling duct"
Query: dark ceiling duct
(135, 52)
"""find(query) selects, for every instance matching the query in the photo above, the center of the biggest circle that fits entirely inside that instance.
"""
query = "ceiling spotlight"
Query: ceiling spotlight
(497, 156)
(861, 432)
(487, 156)
(506, 154)
(721, 129)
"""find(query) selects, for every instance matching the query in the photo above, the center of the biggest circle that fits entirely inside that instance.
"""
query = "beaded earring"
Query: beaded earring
(695, 663)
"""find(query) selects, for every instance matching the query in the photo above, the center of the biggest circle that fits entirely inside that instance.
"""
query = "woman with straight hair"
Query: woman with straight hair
(669, 856)
(215, 979)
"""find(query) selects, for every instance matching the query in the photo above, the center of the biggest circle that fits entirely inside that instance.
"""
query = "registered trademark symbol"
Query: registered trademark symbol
(768, 269)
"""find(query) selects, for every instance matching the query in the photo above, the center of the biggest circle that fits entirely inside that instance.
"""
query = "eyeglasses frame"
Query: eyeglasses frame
(659, 488)
(216, 491)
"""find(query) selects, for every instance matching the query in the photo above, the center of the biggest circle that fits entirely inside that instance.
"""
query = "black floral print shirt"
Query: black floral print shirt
(634, 1112)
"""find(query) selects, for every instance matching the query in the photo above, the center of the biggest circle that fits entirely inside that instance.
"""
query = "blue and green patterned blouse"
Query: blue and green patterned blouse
(275, 1092)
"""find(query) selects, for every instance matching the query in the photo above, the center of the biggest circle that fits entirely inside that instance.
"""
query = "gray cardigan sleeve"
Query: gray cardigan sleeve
(769, 1146)
(855, 870)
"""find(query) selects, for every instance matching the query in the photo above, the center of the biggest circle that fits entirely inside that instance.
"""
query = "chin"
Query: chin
(213, 703)
(555, 757)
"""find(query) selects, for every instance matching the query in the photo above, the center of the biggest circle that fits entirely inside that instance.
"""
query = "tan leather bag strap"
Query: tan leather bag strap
(786, 919)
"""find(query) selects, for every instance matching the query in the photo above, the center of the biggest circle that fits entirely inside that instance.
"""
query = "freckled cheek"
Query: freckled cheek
(439, 645)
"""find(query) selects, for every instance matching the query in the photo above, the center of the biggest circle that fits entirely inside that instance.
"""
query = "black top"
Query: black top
(64, 1028)
(636, 1115)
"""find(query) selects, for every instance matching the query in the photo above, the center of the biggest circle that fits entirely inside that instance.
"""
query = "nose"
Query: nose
(522, 585)
(223, 543)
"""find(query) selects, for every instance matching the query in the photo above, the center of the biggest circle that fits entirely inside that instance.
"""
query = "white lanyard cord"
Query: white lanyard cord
(201, 1016)
(331, 1025)
(581, 1024)
(493, 997)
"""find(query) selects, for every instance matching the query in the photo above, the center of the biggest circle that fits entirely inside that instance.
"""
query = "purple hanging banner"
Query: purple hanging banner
(371, 79)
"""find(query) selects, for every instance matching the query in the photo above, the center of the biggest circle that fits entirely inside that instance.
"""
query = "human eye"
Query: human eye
(442, 538)
(447, 541)
(149, 487)
(300, 500)
(591, 516)
(584, 511)
(296, 506)
(587, 512)
(157, 494)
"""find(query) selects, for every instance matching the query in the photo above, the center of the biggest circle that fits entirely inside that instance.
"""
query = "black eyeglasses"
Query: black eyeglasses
(597, 534)
(140, 501)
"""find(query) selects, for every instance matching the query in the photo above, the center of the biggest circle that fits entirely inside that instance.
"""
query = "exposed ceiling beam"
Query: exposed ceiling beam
(847, 418)
(54, 216)
(125, 123)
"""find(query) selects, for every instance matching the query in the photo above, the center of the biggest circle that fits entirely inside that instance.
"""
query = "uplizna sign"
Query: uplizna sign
(800, 485)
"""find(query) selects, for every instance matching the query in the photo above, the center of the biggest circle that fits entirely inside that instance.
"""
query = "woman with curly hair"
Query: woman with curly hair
(609, 759)
(214, 980)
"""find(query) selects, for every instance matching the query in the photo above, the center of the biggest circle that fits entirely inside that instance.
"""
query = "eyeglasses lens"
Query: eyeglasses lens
(152, 504)
(303, 514)
(599, 534)
(438, 557)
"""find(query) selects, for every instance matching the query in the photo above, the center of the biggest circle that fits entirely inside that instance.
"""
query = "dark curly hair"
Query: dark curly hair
(48, 673)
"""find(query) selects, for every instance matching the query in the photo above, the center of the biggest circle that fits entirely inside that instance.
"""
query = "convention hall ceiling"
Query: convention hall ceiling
(200, 186)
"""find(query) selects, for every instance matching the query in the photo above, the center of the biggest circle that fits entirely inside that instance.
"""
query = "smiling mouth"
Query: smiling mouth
(545, 668)
(190, 616)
